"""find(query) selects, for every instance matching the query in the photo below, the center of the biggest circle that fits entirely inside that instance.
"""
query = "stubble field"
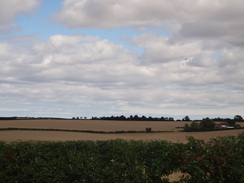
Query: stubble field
(102, 125)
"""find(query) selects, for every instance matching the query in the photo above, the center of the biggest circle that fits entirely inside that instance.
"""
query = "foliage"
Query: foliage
(8, 118)
(194, 126)
(238, 118)
(186, 118)
(218, 160)
(205, 124)
(134, 118)
(149, 129)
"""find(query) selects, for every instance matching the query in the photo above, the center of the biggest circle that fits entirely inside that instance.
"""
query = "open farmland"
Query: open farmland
(95, 125)
(99, 125)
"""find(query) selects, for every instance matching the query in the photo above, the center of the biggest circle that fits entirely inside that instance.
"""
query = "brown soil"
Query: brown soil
(9, 136)
(96, 125)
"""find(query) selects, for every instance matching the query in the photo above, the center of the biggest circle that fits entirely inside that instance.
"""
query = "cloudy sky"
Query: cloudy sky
(66, 58)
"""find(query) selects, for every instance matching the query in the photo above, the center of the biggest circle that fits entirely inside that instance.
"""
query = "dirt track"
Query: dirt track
(9, 136)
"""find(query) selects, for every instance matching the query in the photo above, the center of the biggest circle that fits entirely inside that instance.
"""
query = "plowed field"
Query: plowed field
(99, 125)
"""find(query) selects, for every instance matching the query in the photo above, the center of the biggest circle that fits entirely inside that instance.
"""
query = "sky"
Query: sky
(65, 58)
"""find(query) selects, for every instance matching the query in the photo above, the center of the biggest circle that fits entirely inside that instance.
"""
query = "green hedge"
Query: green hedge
(219, 160)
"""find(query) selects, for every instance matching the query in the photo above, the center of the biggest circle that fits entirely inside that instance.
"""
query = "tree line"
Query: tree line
(8, 118)
(207, 124)
(237, 118)
(134, 118)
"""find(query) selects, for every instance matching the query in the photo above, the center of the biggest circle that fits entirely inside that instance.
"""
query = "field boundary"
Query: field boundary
(104, 132)
(80, 131)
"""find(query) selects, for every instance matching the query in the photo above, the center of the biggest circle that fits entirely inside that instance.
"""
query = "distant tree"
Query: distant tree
(131, 117)
(231, 122)
(187, 128)
(207, 123)
(238, 118)
(195, 126)
(186, 118)
(8, 118)
(143, 118)
(136, 118)
(218, 119)
(150, 118)
(162, 118)
(122, 117)
(171, 119)
(148, 129)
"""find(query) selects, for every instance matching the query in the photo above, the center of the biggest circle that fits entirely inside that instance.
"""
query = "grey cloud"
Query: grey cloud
(7, 28)
(59, 58)
(159, 49)
(173, 72)
(106, 64)
(11, 8)
(89, 70)
(227, 32)
(112, 14)
(218, 19)
(109, 13)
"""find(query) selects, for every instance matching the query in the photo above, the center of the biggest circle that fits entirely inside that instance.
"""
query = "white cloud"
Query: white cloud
(120, 13)
(219, 20)
(10, 9)
(196, 68)
(158, 48)
(88, 71)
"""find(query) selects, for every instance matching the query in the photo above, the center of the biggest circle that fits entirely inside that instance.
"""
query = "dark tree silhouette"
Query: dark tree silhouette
(238, 118)
(186, 118)
(207, 123)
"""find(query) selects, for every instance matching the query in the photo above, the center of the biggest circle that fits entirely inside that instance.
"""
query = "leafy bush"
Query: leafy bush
(207, 123)
(193, 127)
(218, 160)
(204, 125)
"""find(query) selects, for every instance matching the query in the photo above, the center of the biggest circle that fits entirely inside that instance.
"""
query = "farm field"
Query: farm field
(99, 125)
(95, 125)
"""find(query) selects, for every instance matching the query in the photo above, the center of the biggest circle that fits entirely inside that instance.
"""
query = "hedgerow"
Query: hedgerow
(148, 130)
(218, 160)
